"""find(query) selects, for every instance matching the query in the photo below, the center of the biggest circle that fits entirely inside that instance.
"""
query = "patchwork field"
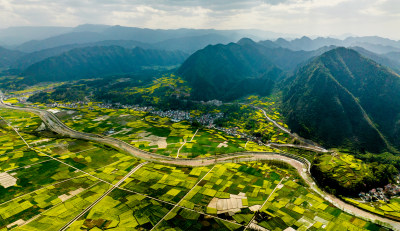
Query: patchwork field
(155, 134)
(59, 182)
(390, 208)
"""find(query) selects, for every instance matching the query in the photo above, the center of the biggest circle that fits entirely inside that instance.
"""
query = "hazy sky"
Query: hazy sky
(305, 17)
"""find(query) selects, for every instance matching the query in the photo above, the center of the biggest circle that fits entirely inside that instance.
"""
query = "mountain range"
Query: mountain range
(95, 62)
(337, 96)
(343, 99)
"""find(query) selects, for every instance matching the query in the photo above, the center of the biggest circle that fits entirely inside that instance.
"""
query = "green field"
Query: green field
(49, 193)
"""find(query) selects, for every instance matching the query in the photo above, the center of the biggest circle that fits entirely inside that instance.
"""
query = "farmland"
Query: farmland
(389, 209)
(156, 196)
(153, 133)
(56, 178)
(343, 174)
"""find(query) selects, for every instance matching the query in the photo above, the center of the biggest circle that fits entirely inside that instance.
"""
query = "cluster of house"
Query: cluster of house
(70, 105)
(381, 193)
(236, 133)
(174, 115)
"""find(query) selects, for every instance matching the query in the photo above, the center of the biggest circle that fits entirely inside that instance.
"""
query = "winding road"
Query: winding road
(301, 164)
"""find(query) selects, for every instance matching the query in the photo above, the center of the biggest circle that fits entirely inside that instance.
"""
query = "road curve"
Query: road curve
(302, 165)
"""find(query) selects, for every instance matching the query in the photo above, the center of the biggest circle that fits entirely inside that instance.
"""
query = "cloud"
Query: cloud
(309, 17)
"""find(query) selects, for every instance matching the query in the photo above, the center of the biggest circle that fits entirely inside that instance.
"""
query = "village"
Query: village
(383, 194)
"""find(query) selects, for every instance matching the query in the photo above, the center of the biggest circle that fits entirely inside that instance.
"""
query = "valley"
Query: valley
(122, 128)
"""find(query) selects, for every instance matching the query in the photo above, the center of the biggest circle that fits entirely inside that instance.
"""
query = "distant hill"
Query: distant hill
(372, 43)
(93, 62)
(193, 43)
(7, 57)
(37, 56)
(60, 40)
(188, 40)
(81, 35)
(342, 99)
(385, 60)
(17, 35)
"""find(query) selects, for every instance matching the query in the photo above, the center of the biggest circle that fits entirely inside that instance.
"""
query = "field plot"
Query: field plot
(9, 140)
(13, 151)
(167, 183)
(348, 172)
(151, 133)
(22, 209)
(208, 142)
(57, 216)
(113, 172)
(86, 156)
(25, 121)
(249, 120)
(299, 208)
(122, 210)
(35, 177)
(183, 219)
(234, 191)
(389, 209)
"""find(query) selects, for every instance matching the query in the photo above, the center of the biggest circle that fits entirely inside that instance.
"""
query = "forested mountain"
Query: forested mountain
(230, 71)
(343, 99)
(95, 62)
(7, 57)
(385, 60)
(37, 56)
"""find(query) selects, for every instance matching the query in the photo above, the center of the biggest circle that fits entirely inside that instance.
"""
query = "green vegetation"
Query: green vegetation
(150, 132)
(343, 174)
(89, 62)
(166, 183)
(249, 120)
(124, 210)
(389, 209)
(296, 206)
(334, 101)
(29, 205)
(182, 219)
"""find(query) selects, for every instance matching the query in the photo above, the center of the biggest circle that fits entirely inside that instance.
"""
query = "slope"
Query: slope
(344, 99)
(231, 71)
(7, 57)
(96, 62)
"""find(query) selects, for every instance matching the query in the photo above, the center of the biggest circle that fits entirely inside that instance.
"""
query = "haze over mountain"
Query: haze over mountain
(95, 62)
(96, 33)
(8, 57)
(372, 43)
(343, 99)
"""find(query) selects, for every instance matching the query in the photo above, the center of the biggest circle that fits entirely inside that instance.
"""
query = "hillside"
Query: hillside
(93, 62)
(37, 56)
(343, 99)
(228, 72)
(7, 57)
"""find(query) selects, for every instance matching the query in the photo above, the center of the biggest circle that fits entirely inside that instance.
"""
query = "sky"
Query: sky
(302, 17)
